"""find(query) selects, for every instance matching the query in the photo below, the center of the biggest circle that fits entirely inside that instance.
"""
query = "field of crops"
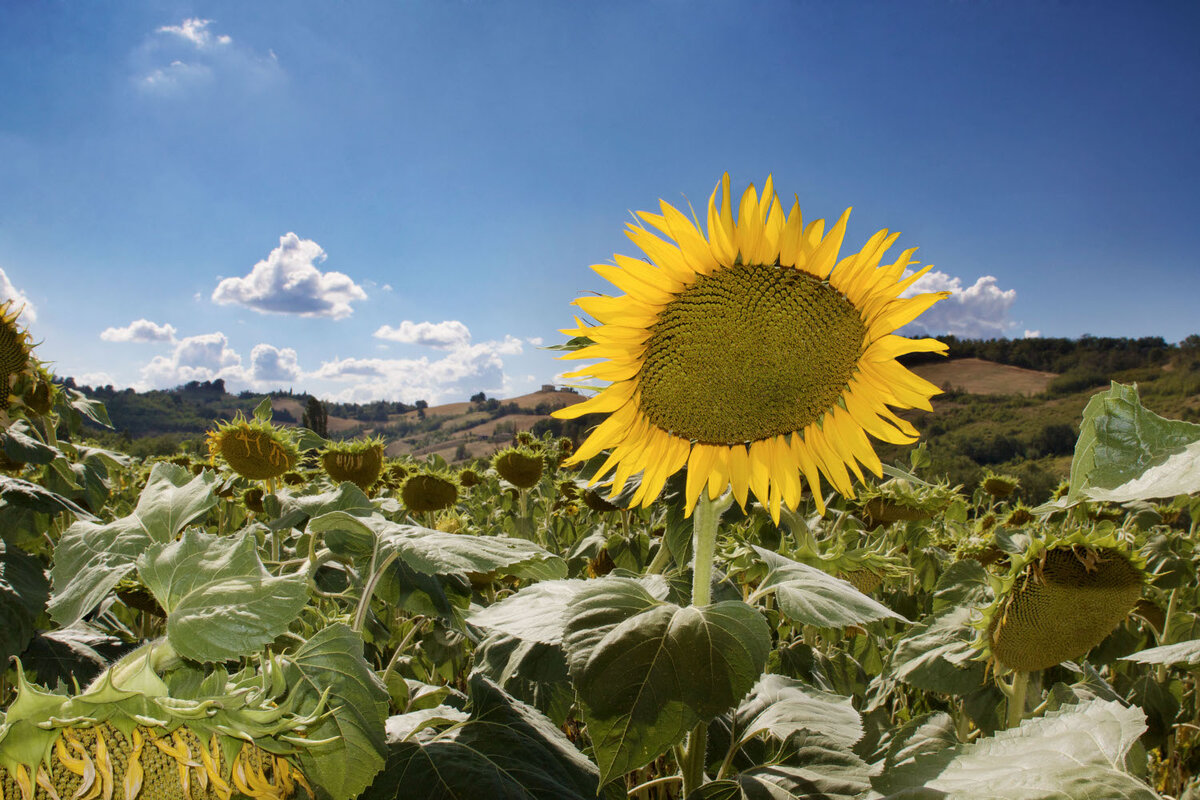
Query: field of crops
(658, 611)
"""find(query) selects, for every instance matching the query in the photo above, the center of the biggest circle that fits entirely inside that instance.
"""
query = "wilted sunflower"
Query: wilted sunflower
(750, 355)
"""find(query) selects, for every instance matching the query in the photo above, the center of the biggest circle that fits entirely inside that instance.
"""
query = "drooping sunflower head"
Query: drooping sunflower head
(16, 347)
(254, 449)
(359, 462)
(428, 491)
(521, 466)
(1058, 600)
(750, 354)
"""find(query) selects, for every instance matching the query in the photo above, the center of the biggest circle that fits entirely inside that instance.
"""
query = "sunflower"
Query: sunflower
(753, 355)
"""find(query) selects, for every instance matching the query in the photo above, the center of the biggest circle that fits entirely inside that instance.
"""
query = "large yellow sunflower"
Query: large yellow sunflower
(751, 355)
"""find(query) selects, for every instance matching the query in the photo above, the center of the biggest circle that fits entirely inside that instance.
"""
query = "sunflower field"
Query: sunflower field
(720, 593)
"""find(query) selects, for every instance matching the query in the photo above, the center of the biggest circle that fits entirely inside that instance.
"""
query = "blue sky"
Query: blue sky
(400, 200)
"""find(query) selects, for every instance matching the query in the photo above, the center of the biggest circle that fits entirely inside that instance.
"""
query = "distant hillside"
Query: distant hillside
(1011, 405)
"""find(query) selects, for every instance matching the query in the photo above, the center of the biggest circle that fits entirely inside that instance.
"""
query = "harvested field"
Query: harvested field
(976, 376)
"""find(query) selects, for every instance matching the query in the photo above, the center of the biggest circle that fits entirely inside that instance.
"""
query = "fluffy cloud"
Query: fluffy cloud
(10, 292)
(288, 282)
(142, 330)
(448, 334)
(979, 311)
(195, 358)
(269, 364)
(465, 369)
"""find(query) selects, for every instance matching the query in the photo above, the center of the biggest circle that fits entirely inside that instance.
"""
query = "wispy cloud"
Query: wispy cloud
(192, 54)
(447, 334)
(10, 292)
(979, 311)
(196, 31)
(288, 282)
(142, 330)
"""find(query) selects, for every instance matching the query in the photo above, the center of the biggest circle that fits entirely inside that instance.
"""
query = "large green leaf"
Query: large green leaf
(536, 613)
(818, 779)
(647, 671)
(937, 653)
(37, 498)
(172, 498)
(507, 751)
(171, 571)
(332, 661)
(812, 597)
(21, 444)
(23, 594)
(1078, 751)
(782, 708)
(220, 600)
(1179, 653)
(70, 655)
(89, 561)
(91, 558)
(436, 552)
(1126, 452)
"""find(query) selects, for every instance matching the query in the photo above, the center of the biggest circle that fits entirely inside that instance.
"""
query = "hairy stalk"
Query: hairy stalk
(1016, 699)
(704, 547)
(364, 602)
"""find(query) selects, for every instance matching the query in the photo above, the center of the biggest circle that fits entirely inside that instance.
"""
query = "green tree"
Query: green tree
(315, 417)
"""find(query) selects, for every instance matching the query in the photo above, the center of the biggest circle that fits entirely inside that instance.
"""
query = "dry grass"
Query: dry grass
(976, 376)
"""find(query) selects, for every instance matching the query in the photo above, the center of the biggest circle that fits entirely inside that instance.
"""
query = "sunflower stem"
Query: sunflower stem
(1016, 699)
(704, 547)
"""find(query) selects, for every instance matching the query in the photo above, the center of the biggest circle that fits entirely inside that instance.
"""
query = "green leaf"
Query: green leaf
(506, 751)
(70, 655)
(221, 602)
(647, 671)
(172, 571)
(812, 597)
(264, 410)
(435, 552)
(89, 561)
(37, 498)
(1126, 452)
(235, 617)
(536, 613)
(937, 653)
(813, 781)
(21, 444)
(1078, 751)
(24, 591)
(92, 410)
(172, 499)
(782, 708)
(1179, 653)
(332, 661)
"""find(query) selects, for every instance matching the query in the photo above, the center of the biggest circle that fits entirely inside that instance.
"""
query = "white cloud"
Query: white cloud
(95, 379)
(195, 358)
(142, 330)
(466, 369)
(447, 334)
(191, 54)
(1032, 334)
(536, 341)
(288, 282)
(270, 364)
(979, 311)
(196, 31)
(10, 292)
